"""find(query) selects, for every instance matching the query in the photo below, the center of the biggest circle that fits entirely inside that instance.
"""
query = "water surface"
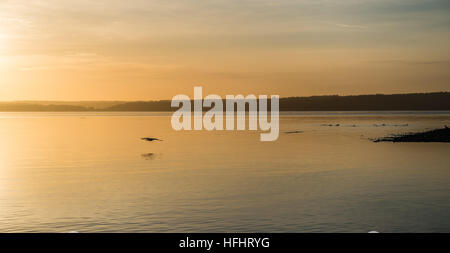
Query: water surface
(90, 172)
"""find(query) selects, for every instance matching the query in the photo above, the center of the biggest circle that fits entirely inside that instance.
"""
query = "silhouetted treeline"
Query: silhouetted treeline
(150, 106)
(379, 102)
(17, 107)
(416, 101)
(400, 102)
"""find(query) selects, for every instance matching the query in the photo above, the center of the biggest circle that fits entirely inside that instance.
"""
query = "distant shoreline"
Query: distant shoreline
(436, 135)
(436, 101)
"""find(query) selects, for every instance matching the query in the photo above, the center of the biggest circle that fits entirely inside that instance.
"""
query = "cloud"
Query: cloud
(351, 26)
(409, 62)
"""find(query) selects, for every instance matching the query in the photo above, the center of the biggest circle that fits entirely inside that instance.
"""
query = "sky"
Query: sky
(156, 49)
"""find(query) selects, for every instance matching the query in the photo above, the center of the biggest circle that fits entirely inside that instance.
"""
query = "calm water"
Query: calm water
(90, 172)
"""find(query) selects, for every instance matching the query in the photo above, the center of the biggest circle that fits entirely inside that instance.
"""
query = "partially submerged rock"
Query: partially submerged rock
(331, 125)
(294, 132)
(437, 135)
(150, 139)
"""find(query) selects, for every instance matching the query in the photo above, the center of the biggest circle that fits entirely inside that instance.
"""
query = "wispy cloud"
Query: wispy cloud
(411, 62)
(351, 26)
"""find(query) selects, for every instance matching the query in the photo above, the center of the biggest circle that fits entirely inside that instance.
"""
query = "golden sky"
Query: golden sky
(155, 49)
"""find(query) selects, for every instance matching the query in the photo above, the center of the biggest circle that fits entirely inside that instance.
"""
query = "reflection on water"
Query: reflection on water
(148, 156)
(86, 172)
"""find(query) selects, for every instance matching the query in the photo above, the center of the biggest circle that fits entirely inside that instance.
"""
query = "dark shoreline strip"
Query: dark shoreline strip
(437, 135)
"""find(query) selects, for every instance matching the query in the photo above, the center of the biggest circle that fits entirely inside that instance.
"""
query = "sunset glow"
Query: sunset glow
(227, 125)
(142, 50)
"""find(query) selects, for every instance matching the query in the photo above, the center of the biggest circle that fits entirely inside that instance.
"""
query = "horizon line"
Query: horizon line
(158, 100)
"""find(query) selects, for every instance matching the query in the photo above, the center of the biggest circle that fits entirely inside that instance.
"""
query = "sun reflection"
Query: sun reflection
(3, 172)
(2, 40)
(2, 47)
